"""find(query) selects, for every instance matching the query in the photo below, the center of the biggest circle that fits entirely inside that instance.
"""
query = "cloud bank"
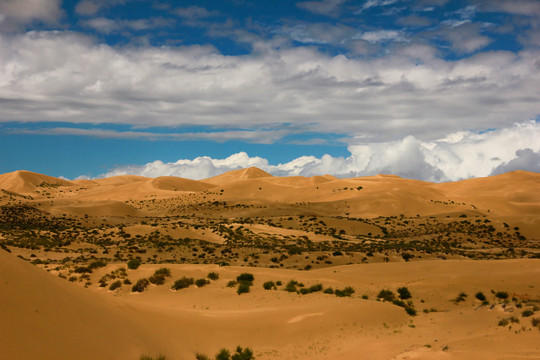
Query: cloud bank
(459, 155)
(68, 77)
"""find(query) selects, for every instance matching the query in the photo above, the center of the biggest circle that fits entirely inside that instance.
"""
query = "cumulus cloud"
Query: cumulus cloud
(107, 26)
(66, 77)
(457, 156)
(16, 13)
(525, 159)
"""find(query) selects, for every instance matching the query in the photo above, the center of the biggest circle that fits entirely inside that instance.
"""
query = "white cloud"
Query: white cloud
(107, 26)
(194, 12)
(382, 35)
(457, 156)
(66, 77)
(15, 13)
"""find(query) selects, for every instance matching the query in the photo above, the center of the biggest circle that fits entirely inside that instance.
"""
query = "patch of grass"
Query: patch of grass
(183, 283)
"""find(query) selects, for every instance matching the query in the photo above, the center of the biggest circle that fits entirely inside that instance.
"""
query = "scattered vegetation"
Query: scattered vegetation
(140, 285)
(183, 283)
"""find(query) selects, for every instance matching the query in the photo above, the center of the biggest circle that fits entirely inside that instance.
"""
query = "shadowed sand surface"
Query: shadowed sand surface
(43, 316)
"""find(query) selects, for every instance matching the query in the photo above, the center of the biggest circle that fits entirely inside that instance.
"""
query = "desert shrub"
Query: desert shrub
(232, 283)
(133, 264)
(503, 295)
(245, 278)
(223, 354)
(213, 276)
(201, 282)
(182, 283)
(140, 285)
(199, 356)
(242, 288)
(527, 313)
(329, 291)
(315, 288)
(399, 303)
(127, 282)
(512, 319)
(480, 296)
(291, 286)
(404, 293)
(82, 269)
(72, 278)
(348, 291)
(535, 322)
(461, 297)
(279, 283)
(269, 285)
(97, 264)
(148, 357)
(115, 285)
(159, 276)
(386, 295)
(410, 310)
(243, 354)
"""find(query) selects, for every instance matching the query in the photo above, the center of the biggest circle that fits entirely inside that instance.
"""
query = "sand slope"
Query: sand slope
(44, 317)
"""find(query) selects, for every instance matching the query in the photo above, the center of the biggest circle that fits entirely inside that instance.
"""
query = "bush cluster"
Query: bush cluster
(159, 276)
(245, 281)
(224, 354)
(183, 283)
(140, 285)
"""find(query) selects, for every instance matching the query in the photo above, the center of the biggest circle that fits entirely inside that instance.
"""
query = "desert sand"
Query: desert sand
(467, 252)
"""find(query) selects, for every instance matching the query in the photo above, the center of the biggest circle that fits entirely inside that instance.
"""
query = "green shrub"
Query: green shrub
(97, 264)
(535, 322)
(245, 278)
(213, 276)
(503, 295)
(410, 310)
(269, 285)
(291, 286)
(329, 291)
(223, 354)
(386, 295)
(399, 303)
(115, 285)
(348, 291)
(199, 356)
(232, 283)
(159, 276)
(133, 264)
(404, 293)
(480, 296)
(182, 283)
(82, 269)
(461, 297)
(243, 354)
(140, 285)
(201, 282)
(527, 313)
(242, 288)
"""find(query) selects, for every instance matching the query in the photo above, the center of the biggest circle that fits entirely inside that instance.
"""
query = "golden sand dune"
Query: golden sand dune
(26, 182)
(446, 243)
(44, 317)
(237, 175)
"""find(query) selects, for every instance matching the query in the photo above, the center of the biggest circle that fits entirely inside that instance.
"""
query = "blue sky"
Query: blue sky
(435, 90)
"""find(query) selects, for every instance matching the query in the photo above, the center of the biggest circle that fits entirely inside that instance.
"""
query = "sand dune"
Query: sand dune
(369, 233)
(26, 182)
(237, 175)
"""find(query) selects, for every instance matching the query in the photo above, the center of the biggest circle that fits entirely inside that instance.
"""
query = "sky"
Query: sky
(435, 90)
